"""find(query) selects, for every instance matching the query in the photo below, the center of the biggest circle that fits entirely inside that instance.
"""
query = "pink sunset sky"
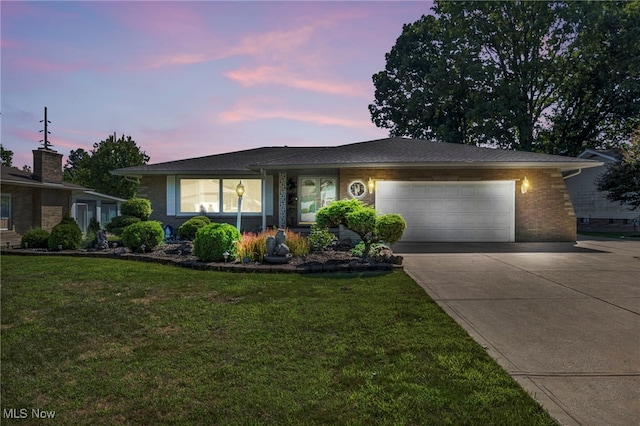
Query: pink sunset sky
(188, 79)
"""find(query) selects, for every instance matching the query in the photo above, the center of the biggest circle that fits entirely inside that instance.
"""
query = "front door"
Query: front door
(5, 212)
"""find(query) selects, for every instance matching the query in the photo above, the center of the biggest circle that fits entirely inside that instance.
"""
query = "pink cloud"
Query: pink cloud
(275, 75)
(46, 66)
(251, 113)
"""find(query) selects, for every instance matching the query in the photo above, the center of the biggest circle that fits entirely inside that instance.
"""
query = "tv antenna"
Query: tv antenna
(47, 144)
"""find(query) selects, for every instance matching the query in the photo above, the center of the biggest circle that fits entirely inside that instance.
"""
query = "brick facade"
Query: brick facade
(36, 207)
(47, 165)
(544, 213)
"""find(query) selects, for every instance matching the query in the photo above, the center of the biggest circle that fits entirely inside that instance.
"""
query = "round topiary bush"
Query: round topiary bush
(118, 223)
(389, 227)
(35, 238)
(149, 233)
(65, 236)
(137, 207)
(215, 239)
(189, 228)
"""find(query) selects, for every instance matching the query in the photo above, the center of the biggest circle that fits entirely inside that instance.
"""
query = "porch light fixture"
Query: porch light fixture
(524, 187)
(240, 193)
(371, 184)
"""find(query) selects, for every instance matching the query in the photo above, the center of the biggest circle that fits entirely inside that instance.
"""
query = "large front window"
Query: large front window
(315, 193)
(209, 196)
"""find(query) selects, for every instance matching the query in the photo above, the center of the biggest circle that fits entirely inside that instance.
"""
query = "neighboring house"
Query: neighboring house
(594, 212)
(445, 192)
(41, 198)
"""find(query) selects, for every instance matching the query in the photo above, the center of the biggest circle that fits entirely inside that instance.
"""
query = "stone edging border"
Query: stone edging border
(305, 268)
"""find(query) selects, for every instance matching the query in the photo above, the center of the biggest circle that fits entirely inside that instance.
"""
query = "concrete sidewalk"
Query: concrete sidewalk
(563, 321)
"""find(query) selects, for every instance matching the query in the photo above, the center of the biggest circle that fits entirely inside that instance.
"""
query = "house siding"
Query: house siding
(594, 211)
(544, 213)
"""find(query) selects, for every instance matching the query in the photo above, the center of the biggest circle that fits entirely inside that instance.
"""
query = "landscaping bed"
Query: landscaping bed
(180, 254)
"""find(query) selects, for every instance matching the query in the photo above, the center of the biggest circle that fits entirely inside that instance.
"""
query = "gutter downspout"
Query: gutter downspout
(264, 199)
(572, 175)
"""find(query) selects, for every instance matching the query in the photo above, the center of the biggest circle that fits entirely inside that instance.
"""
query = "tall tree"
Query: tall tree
(507, 74)
(6, 156)
(92, 169)
(621, 181)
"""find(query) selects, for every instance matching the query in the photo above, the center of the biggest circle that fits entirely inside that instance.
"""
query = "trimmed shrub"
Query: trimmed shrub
(137, 207)
(389, 227)
(35, 238)
(66, 235)
(336, 213)
(149, 233)
(189, 228)
(118, 223)
(213, 240)
(320, 238)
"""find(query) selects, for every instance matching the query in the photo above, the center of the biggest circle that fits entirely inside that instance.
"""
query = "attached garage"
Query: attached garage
(451, 211)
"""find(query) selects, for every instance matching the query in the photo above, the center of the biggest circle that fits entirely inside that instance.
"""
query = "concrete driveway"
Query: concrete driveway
(562, 319)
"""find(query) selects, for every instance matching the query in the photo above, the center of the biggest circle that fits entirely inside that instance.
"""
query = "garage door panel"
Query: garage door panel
(451, 211)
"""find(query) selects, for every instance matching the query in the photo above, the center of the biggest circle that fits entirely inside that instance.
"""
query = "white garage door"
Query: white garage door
(451, 211)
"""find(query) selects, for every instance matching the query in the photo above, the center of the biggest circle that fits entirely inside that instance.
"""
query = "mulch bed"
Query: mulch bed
(179, 254)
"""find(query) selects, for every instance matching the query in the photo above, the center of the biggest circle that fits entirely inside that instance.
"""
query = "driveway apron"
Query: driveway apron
(564, 321)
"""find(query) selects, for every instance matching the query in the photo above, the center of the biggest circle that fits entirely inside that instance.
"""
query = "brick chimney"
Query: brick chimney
(47, 165)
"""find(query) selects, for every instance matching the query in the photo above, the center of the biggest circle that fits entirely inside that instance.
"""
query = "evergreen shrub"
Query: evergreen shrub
(215, 239)
(389, 227)
(118, 223)
(65, 235)
(35, 238)
(137, 207)
(149, 233)
(189, 228)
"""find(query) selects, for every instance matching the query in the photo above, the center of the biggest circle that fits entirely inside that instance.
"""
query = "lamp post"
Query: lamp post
(240, 193)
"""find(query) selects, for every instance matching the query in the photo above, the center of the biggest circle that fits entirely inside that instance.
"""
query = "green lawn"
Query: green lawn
(106, 341)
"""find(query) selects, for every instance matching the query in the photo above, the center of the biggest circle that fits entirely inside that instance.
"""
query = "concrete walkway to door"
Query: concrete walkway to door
(562, 319)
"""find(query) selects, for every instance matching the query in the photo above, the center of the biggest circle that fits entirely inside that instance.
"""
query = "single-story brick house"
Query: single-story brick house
(41, 198)
(445, 192)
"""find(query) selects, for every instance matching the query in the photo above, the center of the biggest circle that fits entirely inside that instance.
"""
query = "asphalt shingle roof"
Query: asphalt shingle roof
(390, 152)
(11, 175)
(402, 151)
(238, 161)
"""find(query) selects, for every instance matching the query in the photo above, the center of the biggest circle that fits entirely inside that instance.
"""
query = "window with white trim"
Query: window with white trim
(214, 196)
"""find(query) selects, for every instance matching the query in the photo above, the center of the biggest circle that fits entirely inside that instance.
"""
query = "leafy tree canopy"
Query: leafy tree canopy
(92, 169)
(6, 156)
(622, 180)
(546, 76)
